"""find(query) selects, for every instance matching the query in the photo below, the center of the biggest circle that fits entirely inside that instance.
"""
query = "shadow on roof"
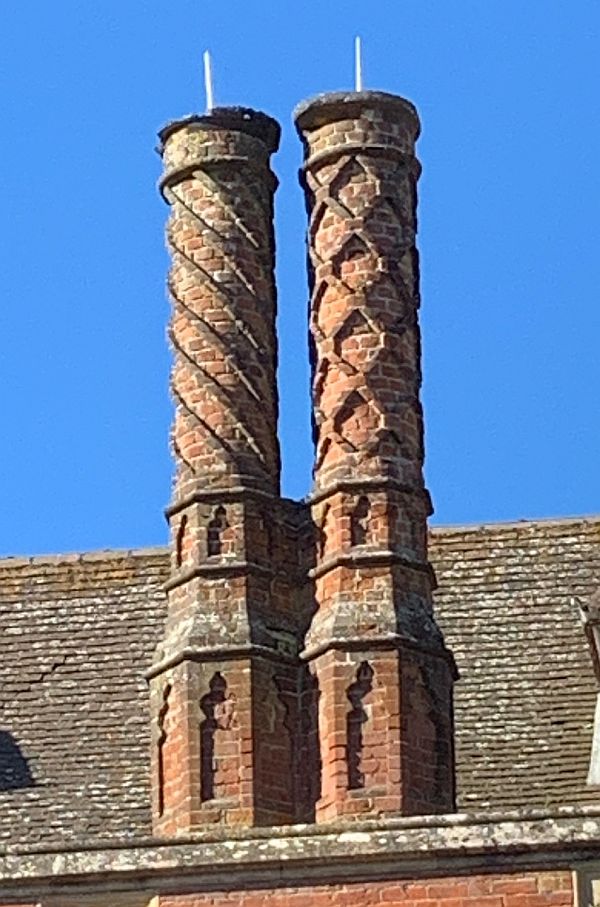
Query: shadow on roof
(14, 768)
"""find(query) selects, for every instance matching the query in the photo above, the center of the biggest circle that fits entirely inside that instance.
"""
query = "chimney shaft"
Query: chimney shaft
(298, 681)
(222, 670)
(220, 188)
(384, 675)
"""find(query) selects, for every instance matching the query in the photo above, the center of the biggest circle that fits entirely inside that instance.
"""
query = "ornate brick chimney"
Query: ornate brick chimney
(384, 675)
(222, 747)
(302, 675)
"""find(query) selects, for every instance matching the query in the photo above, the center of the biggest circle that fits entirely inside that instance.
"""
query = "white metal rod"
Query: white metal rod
(358, 76)
(208, 82)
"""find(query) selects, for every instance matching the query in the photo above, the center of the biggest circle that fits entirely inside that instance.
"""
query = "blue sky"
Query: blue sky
(509, 237)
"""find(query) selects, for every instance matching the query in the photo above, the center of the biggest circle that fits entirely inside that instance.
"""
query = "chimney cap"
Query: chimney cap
(237, 119)
(337, 105)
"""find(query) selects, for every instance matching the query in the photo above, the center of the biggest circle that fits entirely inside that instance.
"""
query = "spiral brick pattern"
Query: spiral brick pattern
(225, 665)
(220, 236)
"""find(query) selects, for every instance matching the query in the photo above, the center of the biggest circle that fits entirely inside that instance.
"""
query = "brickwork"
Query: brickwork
(383, 672)
(224, 686)
(542, 889)
(301, 676)
(220, 234)
(78, 632)
(244, 731)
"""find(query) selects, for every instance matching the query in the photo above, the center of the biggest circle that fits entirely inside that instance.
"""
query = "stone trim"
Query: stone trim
(362, 484)
(392, 641)
(222, 495)
(499, 525)
(85, 557)
(369, 558)
(335, 105)
(223, 568)
(254, 123)
(218, 653)
(400, 848)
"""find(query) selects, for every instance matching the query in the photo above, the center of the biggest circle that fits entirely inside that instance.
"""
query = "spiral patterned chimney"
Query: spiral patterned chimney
(228, 659)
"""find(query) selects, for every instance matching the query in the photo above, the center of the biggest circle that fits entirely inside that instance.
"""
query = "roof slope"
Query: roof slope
(524, 706)
(77, 632)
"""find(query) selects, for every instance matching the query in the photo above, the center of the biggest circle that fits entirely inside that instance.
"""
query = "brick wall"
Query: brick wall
(552, 888)
(541, 889)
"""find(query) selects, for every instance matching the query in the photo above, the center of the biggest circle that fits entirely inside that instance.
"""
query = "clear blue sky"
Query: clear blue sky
(508, 92)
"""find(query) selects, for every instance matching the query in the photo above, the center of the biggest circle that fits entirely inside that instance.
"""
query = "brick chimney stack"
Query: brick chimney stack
(301, 674)
(220, 233)
(228, 654)
(384, 675)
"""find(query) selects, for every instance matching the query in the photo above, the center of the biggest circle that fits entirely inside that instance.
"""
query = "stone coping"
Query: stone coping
(99, 555)
(255, 123)
(356, 850)
(498, 525)
(343, 105)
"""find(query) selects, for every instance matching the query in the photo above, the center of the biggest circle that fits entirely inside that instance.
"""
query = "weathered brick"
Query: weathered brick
(223, 722)
(370, 506)
(456, 891)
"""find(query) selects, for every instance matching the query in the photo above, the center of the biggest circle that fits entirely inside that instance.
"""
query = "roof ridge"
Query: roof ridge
(438, 529)
(77, 557)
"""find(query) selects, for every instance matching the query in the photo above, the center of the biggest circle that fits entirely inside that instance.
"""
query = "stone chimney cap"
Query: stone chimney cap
(237, 119)
(337, 105)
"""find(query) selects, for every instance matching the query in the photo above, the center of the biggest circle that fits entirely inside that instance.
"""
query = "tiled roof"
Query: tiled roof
(77, 632)
(524, 707)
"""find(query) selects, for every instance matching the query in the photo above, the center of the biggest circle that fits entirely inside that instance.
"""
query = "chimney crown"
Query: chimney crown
(254, 123)
(332, 106)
